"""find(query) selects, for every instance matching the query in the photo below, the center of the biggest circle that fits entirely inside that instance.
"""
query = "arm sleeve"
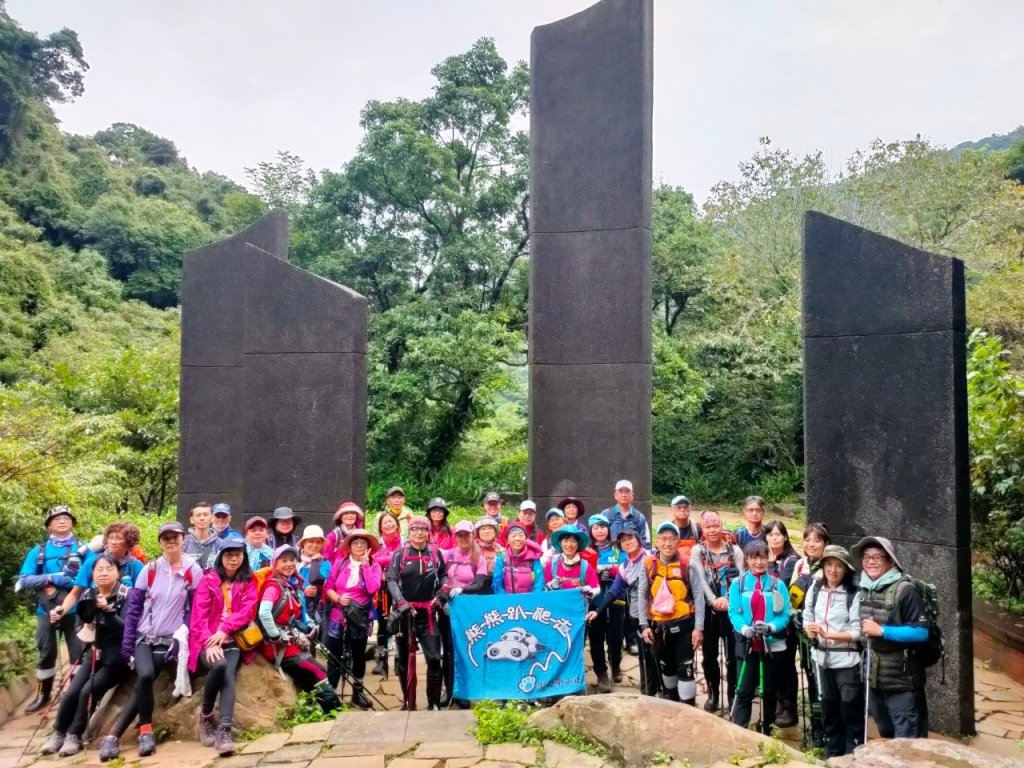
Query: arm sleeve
(643, 589)
(371, 575)
(538, 577)
(735, 609)
(697, 590)
(905, 634)
(498, 575)
(266, 611)
(27, 577)
(394, 577)
(477, 585)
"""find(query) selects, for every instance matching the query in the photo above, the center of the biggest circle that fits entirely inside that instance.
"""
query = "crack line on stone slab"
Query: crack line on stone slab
(587, 231)
(183, 365)
(875, 335)
(247, 354)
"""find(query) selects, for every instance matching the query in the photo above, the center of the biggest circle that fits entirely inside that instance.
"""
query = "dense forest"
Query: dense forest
(429, 219)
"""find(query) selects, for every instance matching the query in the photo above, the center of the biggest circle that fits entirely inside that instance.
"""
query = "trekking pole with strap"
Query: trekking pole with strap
(739, 678)
(867, 684)
(53, 700)
(329, 655)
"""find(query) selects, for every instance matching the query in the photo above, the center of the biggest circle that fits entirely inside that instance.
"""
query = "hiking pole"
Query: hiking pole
(53, 700)
(867, 684)
(345, 673)
(723, 679)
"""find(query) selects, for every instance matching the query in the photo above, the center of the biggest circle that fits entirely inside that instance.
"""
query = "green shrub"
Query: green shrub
(20, 626)
(306, 710)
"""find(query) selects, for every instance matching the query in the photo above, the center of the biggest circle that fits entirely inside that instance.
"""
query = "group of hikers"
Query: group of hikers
(309, 602)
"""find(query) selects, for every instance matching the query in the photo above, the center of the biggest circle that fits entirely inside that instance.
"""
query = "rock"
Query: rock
(925, 753)
(633, 728)
(260, 693)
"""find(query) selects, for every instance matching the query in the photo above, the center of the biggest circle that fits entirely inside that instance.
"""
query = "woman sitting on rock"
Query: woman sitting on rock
(101, 610)
(225, 602)
(354, 580)
(282, 615)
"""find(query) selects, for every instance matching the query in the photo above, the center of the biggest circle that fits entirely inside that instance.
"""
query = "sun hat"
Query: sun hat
(438, 503)
(857, 550)
(581, 536)
(285, 513)
(311, 532)
(582, 510)
(393, 490)
(483, 521)
(835, 552)
(463, 526)
(57, 511)
(359, 533)
(349, 506)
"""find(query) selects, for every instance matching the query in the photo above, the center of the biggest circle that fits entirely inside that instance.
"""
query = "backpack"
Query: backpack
(434, 555)
(723, 573)
(933, 649)
(261, 579)
(583, 568)
(151, 578)
(775, 586)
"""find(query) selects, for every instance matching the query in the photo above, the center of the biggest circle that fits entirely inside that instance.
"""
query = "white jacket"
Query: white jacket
(829, 611)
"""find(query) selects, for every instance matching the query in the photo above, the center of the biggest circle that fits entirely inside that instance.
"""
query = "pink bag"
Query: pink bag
(664, 603)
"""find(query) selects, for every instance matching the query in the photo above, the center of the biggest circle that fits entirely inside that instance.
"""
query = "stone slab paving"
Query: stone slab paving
(360, 761)
(294, 753)
(512, 753)
(449, 749)
(560, 756)
(409, 762)
(310, 732)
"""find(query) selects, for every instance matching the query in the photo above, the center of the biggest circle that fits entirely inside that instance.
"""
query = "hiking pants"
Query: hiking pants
(220, 679)
(90, 683)
(842, 705)
(899, 715)
(786, 684)
(444, 624)
(46, 642)
(757, 668)
(718, 630)
(150, 661)
(606, 627)
(382, 605)
(429, 637)
(673, 643)
(350, 650)
(308, 676)
(650, 677)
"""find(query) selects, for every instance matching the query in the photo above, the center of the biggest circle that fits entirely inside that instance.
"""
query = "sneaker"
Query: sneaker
(52, 744)
(616, 675)
(147, 744)
(224, 741)
(110, 748)
(206, 729)
(72, 746)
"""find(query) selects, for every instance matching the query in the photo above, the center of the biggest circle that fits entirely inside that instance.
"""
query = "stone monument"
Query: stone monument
(591, 95)
(273, 380)
(885, 410)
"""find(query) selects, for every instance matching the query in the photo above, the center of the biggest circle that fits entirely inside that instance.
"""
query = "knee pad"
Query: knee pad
(687, 689)
(670, 682)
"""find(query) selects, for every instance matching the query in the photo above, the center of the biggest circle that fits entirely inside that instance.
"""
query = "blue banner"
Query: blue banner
(524, 646)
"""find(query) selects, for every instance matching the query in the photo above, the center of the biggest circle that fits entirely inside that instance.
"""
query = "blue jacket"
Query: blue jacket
(58, 571)
(130, 571)
(638, 520)
(776, 611)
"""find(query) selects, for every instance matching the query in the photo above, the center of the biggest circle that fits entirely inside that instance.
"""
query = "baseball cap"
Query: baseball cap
(527, 504)
(222, 509)
(668, 528)
(492, 496)
(172, 526)
(680, 500)
(554, 512)
(419, 522)
(232, 542)
(464, 526)
(393, 490)
(254, 521)
(623, 485)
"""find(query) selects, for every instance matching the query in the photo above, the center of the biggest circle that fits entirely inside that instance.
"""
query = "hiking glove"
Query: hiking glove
(763, 628)
(747, 631)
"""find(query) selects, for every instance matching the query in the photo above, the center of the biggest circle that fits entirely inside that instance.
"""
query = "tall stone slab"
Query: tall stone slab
(273, 380)
(885, 410)
(591, 94)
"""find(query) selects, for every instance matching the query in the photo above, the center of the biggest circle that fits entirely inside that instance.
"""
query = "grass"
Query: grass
(509, 724)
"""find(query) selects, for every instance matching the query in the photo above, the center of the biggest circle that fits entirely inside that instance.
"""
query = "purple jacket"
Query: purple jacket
(158, 612)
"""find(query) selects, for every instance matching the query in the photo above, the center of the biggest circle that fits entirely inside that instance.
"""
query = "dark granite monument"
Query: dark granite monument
(273, 380)
(591, 94)
(885, 409)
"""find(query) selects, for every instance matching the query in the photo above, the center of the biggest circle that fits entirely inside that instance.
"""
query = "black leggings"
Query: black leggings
(150, 661)
(89, 683)
(418, 625)
(220, 678)
(718, 630)
(46, 642)
(673, 643)
(356, 659)
(606, 627)
(758, 668)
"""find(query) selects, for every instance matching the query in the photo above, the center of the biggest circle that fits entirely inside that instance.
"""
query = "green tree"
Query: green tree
(429, 221)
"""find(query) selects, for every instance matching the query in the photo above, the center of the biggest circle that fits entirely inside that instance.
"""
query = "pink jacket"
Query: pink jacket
(388, 547)
(570, 575)
(362, 592)
(442, 538)
(208, 612)
(460, 571)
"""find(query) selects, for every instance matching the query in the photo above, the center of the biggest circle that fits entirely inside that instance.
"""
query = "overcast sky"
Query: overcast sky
(233, 81)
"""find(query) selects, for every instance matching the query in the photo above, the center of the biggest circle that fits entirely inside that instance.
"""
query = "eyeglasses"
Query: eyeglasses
(875, 558)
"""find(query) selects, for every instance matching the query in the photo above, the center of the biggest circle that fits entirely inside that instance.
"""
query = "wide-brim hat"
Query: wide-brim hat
(581, 536)
(311, 532)
(57, 511)
(572, 500)
(487, 520)
(857, 550)
(286, 513)
(349, 506)
(359, 533)
(838, 553)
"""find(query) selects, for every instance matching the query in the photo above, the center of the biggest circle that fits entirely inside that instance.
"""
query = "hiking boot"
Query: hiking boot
(110, 748)
(72, 746)
(604, 685)
(206, 729)
(224, 741)
(381, 667)
(147, 744)
(786, 718)
(359, 699)
(42, 698)
(711, 705)
(616, 674)
(52, 744)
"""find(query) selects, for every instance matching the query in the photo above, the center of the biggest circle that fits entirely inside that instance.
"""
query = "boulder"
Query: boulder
(260, 692)
(633, 728)
(922, 753)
